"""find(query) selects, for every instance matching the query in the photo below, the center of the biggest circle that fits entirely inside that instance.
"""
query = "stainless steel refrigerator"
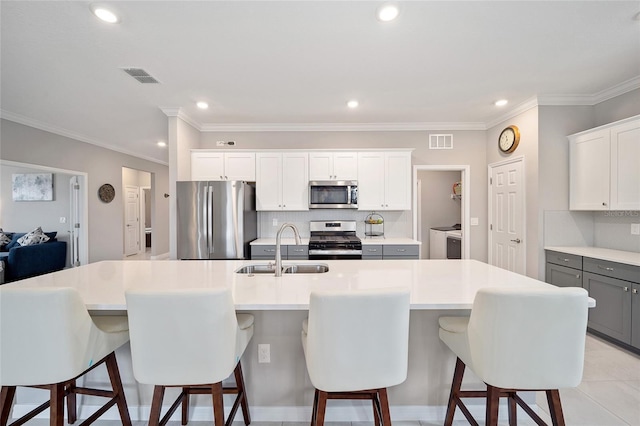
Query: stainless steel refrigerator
(216, 220)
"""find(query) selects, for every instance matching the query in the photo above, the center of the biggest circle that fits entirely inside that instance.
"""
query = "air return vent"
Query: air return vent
(442, 141)
(141, 75)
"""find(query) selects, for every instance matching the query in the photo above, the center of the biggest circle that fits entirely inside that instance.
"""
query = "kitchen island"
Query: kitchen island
(281, 390)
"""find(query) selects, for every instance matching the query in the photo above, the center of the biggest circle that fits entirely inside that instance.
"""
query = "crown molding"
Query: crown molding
(21, 119)
(339, 127)
(179, 112)
(519, 109)
(617, 90)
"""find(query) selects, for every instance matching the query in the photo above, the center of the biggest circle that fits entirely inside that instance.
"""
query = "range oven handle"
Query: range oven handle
(333, 252)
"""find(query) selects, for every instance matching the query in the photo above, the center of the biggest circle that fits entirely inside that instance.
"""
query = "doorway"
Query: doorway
(507, 220)
(136, 192)
(460, 205)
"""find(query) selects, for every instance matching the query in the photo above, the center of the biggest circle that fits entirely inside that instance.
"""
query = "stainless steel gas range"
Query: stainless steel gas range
(334, 239)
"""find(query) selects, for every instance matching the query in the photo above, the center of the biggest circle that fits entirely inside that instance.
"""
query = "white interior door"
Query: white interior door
(131, 220)
(507, 215)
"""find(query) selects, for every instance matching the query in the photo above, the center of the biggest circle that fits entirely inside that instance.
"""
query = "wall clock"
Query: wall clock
(509, 139)
(106, 193)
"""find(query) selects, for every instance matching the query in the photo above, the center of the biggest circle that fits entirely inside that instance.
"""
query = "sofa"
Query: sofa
(19, 262)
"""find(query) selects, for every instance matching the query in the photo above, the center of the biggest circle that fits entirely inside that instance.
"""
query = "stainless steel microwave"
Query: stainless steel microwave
(333, 194)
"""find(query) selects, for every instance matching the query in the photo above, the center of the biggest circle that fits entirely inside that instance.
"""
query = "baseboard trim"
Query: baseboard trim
(163, 256)
(353, 413)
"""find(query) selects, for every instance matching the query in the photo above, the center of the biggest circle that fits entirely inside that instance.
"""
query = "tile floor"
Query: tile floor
(609, 395)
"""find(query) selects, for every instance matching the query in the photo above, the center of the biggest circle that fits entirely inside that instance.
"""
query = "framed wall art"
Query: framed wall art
(32, 186)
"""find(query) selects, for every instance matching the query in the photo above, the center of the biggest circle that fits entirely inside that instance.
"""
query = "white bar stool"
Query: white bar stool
(356, 345)
(518, 339)
(191, 339)
(48, 341)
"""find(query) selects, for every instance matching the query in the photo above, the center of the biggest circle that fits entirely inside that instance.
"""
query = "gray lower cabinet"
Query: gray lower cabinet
(563, 270)
(372, 252)
(635, 315)
(265, 252)
(288, 252)
(612, 313)
(400, 251)
(297, 252)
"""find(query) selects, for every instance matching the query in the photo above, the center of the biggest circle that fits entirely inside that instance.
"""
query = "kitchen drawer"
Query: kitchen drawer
(612, 269)
(564, 259)
(371, 251)
(400, 251)
(562, 276)
(264, 252)
(297, 252)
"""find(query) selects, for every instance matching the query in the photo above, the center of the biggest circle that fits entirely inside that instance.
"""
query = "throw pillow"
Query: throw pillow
(4, 239)
(34, 237)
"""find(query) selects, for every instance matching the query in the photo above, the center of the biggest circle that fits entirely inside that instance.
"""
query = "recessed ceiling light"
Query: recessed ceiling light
(388, 12)
(162, 144)
(105, 14)
(202, 105)
(353, 103)
(501, 102)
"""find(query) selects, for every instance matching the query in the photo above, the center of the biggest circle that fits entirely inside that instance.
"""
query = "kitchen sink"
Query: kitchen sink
(269, 268)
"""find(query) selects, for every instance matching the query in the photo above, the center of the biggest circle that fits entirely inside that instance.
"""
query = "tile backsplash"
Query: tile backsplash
(397, 224)
(611, 229)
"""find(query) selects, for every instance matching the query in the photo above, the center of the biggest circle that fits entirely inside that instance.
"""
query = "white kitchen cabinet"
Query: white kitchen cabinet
(604, 172)
(216, 165)
(333, 165)
(384, 180)
(282, 181)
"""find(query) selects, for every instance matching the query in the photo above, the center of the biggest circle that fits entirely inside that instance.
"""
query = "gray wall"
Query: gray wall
(29, 145)
(614, 109)
(469, 149)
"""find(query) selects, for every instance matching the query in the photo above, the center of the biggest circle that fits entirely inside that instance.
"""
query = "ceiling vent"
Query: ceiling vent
(141, 75)
(441, 141)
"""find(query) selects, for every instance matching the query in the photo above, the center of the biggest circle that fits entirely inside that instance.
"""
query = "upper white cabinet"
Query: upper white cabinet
(333, 165)
(282, 181)
(384, 180)
(604, 172)
(216, 165)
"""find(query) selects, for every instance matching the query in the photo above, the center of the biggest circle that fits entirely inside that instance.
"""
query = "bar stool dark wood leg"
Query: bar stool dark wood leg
(555, 407)
(322, 407)
(458, 373)
(6, 401)
(244, 403)
(56, 409)
(72, 402)
(513, 409)
(384, 404)
(493, 398)
(218, 404)
(156, 405)
(185, 405)
(118, 389)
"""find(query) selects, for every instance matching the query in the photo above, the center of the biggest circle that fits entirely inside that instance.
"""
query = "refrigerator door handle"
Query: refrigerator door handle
(209, 220)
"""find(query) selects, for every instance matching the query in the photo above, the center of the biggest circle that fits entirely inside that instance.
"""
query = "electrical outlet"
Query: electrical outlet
(635, 229)
(63, 219)
(264, 353)
(275, 222)
(474, 221)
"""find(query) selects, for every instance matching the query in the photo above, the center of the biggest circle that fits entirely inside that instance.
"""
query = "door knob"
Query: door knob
(517, 241)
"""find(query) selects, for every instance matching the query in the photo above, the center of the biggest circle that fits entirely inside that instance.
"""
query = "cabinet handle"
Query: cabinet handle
(578, 276)
(634, 291)
(298, 250)
(225, 178)
(605, 268)
(604, 204)
(626, 288)
(372, 250)
(386, 205)
(401, 250)
(221, 177)
(563, 259)
(270, 250)
(284, 205)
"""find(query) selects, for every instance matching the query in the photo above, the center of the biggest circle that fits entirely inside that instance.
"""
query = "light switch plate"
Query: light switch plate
(635, 229)
(474, 221)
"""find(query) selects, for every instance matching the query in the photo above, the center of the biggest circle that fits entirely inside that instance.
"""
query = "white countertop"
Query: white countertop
(365, 241)
(628, 257)
(434, 284)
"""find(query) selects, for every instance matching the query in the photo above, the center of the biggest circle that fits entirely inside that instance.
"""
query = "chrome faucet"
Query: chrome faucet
(278, 239)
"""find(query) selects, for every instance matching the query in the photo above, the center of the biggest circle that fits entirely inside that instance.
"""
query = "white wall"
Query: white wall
(26, 144)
